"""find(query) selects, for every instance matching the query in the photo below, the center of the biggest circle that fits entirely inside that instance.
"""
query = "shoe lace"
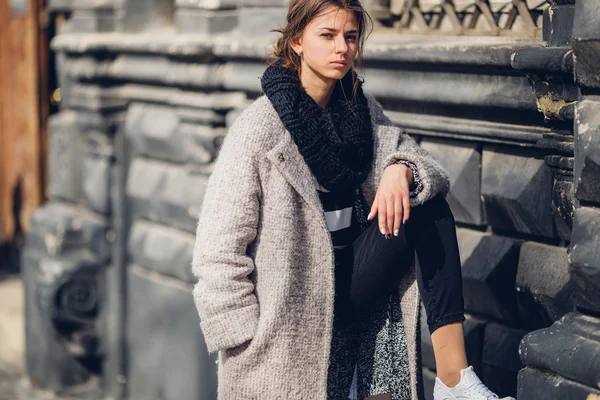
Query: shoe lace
(481, 389)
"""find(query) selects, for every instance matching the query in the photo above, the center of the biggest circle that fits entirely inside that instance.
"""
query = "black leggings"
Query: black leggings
(372, 266)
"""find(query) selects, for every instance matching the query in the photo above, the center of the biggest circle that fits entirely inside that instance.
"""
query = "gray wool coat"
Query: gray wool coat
(264, 259)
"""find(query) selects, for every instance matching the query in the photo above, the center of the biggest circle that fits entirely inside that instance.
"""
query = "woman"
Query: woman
(304, 249)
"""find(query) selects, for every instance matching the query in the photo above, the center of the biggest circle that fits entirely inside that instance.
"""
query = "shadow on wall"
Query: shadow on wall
(10, 250)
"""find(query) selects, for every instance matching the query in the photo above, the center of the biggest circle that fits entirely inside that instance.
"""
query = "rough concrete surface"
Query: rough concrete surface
(14, 385)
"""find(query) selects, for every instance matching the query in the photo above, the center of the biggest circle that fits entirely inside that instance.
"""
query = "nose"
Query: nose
(341, 47)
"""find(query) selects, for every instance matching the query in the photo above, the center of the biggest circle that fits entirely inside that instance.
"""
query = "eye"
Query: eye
(351, 37)
(327, 35)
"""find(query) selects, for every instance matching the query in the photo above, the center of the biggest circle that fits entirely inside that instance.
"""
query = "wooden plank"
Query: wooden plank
(20, 188)
(44, 68)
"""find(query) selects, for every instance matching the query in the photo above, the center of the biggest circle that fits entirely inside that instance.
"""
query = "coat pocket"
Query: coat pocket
(236, 351)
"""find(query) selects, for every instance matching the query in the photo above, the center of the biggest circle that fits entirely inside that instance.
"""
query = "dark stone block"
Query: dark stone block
(99, 127)
(501, 362)
(543, 285)
(93, 20)
(474, 336)
(96, 182)
(463, 163)
(258, 21)
(167, 356)
(161, 249)
(208, 4)
(220, 102)
(205, 22)
(561, 2)
(154, 68)
(585, 258)
(264, 3)
(538, 385)
(587, 59)
(544, 59)
(586, 19)
(66, 153)
(563, 204)
(244, 76)
(58, 229)
(64, 309)
(202, 142)
(95, 97)
(449, 88)
(81, 154)
(200, 118)
(558, 25)
(165, 193)
(60, 5)
(517, 191)
(152, 131)
(142, 15)
(190, 105)
(489, 267)
(157, 132)
(587, 151)
(64, 82)
(569, 348)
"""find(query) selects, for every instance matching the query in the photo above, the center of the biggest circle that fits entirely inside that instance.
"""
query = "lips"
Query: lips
(340, 62)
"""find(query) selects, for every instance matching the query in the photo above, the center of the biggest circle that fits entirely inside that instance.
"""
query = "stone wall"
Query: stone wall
(149, 88)
(563, 360)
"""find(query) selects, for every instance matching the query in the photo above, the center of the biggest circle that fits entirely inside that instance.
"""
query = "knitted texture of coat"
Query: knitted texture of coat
(264, 259)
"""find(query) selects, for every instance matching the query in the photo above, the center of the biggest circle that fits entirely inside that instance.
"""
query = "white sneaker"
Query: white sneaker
(469, 388)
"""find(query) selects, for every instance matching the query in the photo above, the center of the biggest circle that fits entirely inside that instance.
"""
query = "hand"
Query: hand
(392, 201)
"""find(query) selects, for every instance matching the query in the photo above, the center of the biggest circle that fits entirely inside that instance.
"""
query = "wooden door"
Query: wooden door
(23, 49)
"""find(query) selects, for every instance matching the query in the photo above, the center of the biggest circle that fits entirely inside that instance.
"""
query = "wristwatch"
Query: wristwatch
(417, 185)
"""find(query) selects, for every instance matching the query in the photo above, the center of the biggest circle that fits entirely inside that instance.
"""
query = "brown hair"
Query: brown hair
(301, 13)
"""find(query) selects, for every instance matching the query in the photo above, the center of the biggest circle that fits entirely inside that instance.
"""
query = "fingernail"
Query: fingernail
(368, 216)
(383, 231)
(396, 232)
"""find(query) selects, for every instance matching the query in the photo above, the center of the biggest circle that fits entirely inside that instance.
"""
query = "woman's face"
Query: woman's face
(328, 45)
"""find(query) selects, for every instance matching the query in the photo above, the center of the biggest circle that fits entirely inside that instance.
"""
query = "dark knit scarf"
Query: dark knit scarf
(336, 143)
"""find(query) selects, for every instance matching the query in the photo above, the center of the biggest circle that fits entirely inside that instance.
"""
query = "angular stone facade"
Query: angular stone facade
(505, 94)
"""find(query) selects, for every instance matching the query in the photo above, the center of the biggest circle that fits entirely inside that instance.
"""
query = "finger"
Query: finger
(398, 212)
(382, 217)
(390, 216)
(373, 211)
(406, 203)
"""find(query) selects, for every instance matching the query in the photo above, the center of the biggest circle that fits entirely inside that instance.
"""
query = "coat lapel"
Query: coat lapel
(288, 160)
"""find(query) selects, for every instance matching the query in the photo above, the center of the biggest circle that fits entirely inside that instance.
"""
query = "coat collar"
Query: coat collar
(288, 160)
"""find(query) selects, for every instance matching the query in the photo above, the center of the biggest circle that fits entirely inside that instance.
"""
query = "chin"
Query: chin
(336, 73)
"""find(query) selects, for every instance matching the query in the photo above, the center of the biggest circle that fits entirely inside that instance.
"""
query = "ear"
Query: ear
(296, 45)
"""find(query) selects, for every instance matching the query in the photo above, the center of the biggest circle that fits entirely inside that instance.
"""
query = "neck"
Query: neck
(319, 88)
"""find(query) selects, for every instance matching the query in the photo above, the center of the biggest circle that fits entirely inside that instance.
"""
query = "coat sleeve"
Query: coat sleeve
(224, 294)
(434, 178)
